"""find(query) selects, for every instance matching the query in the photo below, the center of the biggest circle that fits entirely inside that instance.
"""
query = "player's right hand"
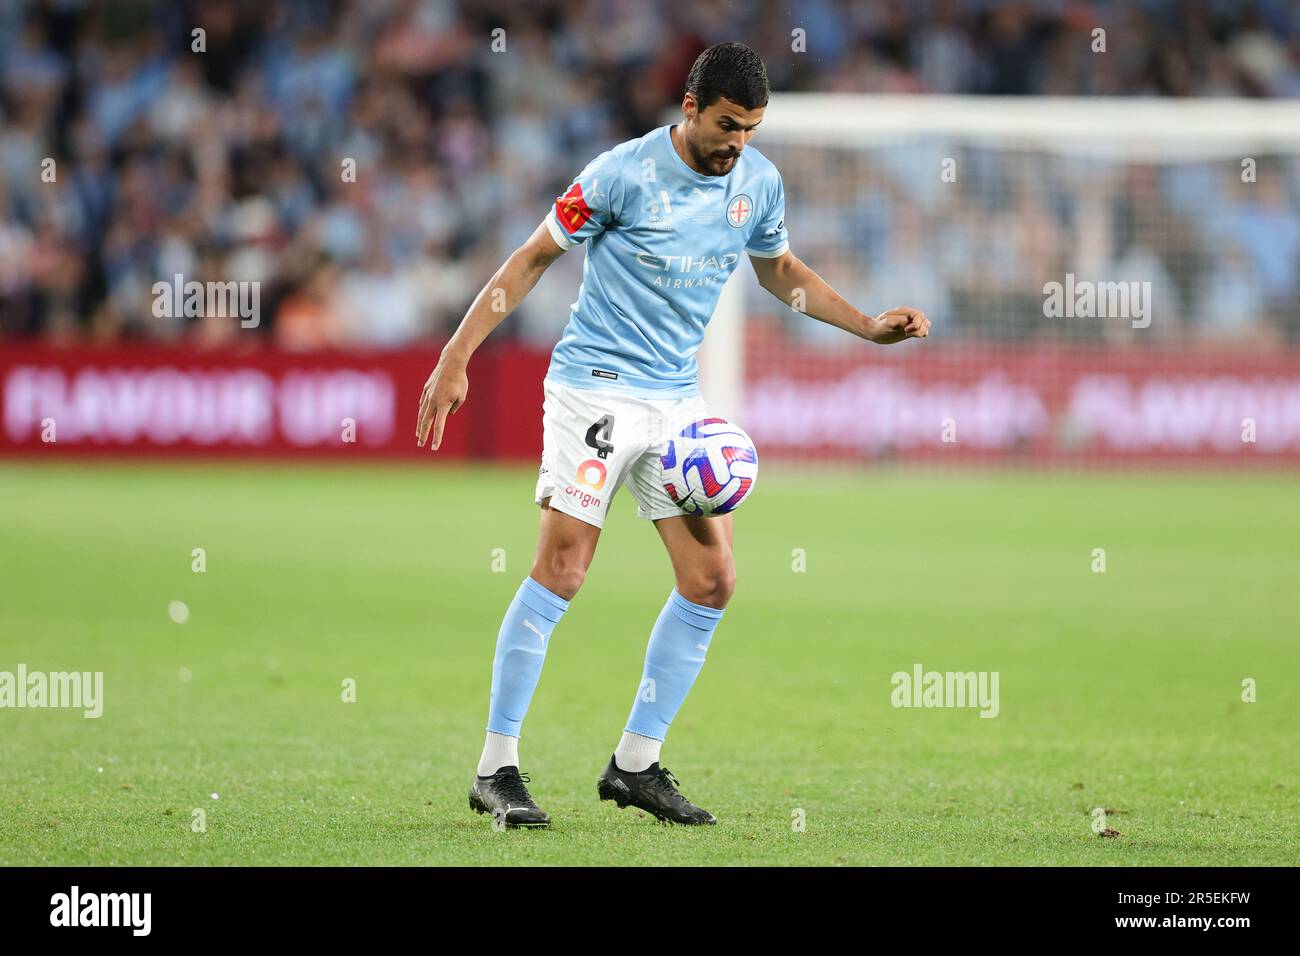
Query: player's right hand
(444, 392)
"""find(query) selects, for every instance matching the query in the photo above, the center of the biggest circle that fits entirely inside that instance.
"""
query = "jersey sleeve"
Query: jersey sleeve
(769, 238)
(590, 205)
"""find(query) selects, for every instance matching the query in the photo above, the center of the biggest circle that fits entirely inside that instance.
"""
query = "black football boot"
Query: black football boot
(504, 795)
(653, 790)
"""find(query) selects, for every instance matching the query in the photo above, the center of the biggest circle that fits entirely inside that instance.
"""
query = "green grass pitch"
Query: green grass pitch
(1120, 690)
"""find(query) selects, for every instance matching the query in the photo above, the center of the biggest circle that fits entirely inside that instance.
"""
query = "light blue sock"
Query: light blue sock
(672, 662)
(521, 649)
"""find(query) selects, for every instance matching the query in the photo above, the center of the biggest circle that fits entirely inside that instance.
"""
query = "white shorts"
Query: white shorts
(595, 439)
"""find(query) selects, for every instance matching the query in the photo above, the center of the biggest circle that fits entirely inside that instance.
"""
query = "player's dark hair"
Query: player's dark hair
(732, 70)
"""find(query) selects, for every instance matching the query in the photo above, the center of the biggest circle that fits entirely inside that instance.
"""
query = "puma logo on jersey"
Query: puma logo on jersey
(705, 211)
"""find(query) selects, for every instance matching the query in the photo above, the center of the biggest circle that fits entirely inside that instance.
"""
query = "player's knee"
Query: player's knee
(711, 585)
(561, 572)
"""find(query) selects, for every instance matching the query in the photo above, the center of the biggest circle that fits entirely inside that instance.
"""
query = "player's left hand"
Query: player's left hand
(899, 324)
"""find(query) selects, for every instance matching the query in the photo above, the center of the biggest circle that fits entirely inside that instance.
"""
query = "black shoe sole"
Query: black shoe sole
(479, 807)
(606, 791)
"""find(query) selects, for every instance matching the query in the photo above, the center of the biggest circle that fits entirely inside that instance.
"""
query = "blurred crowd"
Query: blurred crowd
(1219, 253)
(370, 164)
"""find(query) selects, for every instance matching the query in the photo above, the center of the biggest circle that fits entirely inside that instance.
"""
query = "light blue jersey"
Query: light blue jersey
(662, 240)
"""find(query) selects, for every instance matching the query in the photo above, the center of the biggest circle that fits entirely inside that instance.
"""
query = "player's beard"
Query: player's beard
(711, 161)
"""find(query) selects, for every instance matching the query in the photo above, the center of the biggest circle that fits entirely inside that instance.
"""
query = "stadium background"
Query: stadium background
(229, 165)
(333, 558)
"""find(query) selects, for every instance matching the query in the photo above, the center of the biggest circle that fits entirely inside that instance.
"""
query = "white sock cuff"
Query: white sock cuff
(636, 752)
(499, 750)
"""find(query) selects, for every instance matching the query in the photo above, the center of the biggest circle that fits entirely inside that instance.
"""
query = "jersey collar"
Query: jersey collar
(683, 167)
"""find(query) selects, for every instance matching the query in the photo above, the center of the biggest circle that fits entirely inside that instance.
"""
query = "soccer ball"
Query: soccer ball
(710, 467)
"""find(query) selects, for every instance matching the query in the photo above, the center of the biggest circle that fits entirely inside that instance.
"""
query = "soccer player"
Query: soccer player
(665, 219)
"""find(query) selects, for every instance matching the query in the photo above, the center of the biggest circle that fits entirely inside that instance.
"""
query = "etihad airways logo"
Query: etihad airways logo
(687, 263)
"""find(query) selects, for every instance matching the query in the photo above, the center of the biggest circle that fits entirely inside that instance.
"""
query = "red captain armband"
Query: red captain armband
(572, 210)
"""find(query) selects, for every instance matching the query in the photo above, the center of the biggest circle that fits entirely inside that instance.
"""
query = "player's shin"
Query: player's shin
(516, 667)
(674, 656)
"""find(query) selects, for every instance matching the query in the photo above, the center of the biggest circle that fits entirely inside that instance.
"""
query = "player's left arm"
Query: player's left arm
(784, 275)
(788, 278)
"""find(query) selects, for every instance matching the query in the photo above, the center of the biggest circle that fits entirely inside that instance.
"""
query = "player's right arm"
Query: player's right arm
(591, 204)
(448, 383)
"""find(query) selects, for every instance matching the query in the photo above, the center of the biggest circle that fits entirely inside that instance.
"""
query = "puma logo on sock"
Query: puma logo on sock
(529, 624)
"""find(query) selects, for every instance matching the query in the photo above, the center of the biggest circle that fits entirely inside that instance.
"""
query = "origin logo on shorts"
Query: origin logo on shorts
(583, 498)
(592, 474)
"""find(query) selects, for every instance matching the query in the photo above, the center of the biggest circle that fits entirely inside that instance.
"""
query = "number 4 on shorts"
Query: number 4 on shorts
(599, 433)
